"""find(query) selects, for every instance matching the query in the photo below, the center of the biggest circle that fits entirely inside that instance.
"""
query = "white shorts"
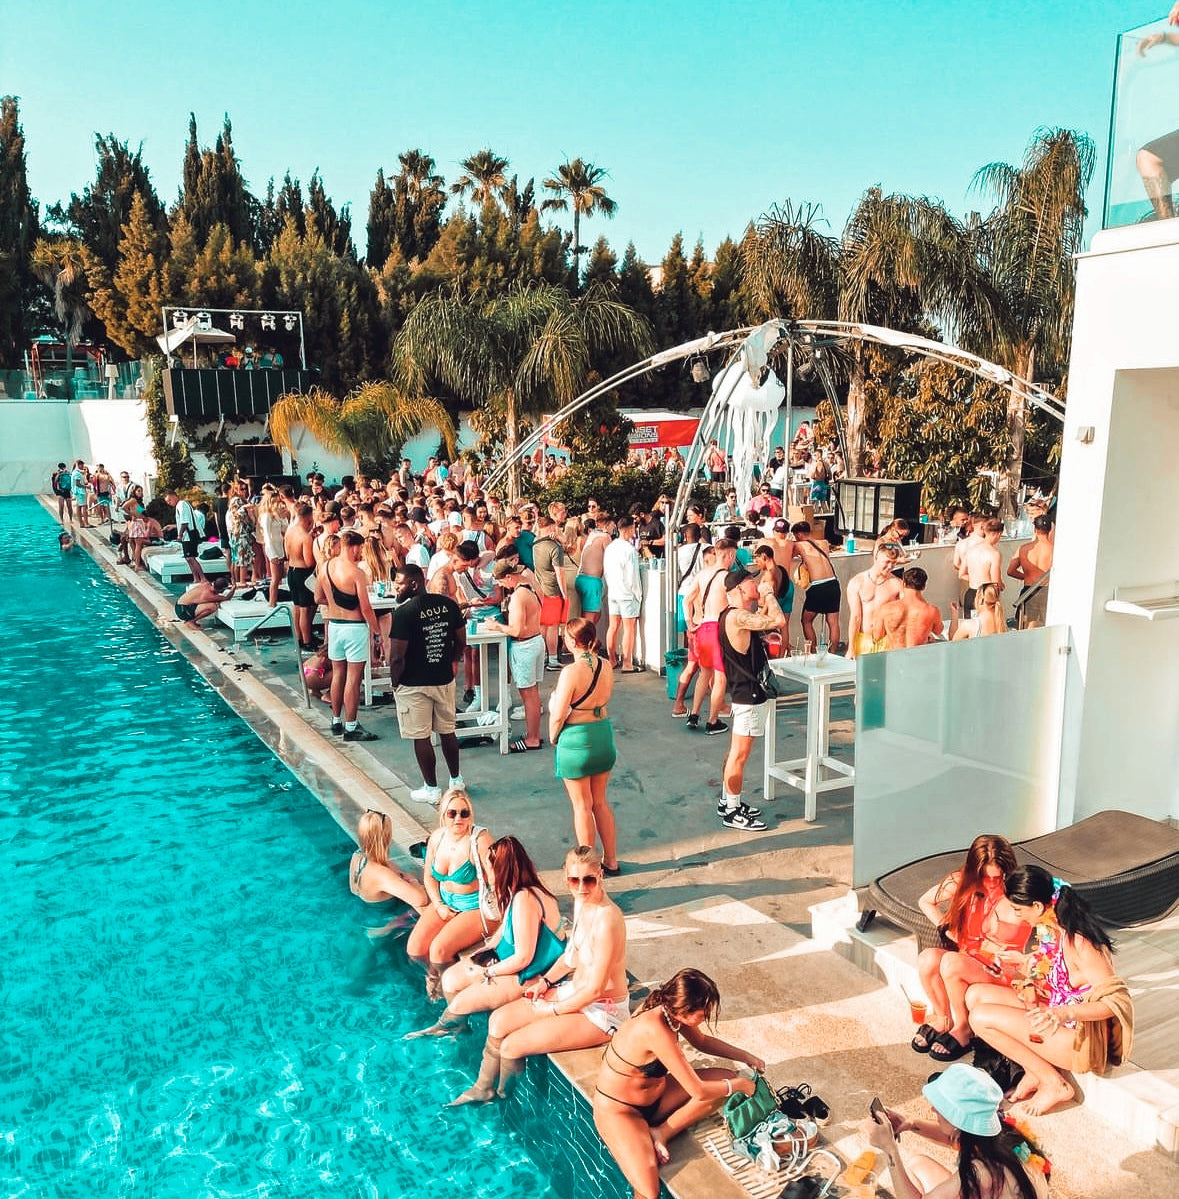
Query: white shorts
(526, 659)
(627, 607)
(607, 1014)
(749, 720)
(348, 641)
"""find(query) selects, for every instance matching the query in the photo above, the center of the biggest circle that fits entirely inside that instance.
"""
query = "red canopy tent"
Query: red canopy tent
(657, 429)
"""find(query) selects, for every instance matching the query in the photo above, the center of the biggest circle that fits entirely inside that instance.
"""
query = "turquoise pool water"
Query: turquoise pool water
(189, 1006)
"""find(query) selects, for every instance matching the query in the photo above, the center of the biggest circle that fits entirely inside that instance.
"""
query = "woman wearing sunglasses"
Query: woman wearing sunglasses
(527, 944)
(455, 873)
(647, 1090)
(577, 1003)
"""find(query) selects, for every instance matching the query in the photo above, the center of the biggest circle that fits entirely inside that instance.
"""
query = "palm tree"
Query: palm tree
(531, 345)
(371, 422)
(901, 261)
(484, 175)
(61, 265)
(579, 183)
(1026, 246)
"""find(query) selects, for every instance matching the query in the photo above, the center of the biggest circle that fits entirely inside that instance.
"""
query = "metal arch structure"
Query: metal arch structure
(754, 344)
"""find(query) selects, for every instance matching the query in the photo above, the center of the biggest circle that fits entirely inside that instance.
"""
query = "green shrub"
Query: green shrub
(616, 490)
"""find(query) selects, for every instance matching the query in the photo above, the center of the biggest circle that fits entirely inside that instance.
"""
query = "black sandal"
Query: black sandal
(923, 1039)
(951, 1048)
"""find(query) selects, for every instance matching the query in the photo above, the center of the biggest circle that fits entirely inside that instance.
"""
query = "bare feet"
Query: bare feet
(662, 1155)
(1025, 1089)
(1048, 1095)
(473, 1095)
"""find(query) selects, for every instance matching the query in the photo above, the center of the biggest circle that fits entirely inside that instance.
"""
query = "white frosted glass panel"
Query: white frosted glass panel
(953, 740)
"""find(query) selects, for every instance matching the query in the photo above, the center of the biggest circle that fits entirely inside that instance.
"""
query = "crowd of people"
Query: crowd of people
(566, 592)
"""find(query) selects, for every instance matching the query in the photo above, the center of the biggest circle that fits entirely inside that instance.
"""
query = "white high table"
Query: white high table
(468, 721)
(807, 774)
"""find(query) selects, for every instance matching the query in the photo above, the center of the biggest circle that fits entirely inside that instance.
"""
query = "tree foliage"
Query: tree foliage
(20, 230)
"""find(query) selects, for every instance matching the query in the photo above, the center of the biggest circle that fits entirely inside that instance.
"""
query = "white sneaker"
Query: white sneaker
(427, 794)
(457, 783)
(517, 713)
(476, 703)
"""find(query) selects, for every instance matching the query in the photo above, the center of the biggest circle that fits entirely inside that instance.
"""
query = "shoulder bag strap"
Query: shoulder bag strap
(589, 689)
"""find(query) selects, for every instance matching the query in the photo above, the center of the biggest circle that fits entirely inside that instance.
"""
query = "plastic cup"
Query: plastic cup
(918, 1009)
(862, 1190)
(472, 627)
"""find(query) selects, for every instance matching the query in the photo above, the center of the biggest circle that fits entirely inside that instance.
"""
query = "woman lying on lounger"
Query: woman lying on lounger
(527, 944)
(1069, 1011)
(578, 1003)
(647, 1090)
(983, 938)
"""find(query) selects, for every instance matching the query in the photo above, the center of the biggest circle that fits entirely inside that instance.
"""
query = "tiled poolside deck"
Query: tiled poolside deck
(696, 893)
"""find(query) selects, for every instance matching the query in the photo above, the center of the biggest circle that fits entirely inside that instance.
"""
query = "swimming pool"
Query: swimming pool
(190, 1007)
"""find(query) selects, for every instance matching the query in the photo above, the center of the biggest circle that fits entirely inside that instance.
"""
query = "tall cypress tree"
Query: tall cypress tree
(379, 229)
(23, 304)
(335, 227)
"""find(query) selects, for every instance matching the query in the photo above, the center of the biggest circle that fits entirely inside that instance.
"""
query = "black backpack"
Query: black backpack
(63, 483)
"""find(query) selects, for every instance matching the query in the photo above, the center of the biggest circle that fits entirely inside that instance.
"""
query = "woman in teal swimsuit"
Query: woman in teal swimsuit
(647, 1090)
(375, 880)
(580, 728)
(526, 947)
(454, 874)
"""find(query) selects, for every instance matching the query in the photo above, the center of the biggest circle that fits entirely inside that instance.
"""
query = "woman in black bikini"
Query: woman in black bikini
(647, 1091)
(579, 726)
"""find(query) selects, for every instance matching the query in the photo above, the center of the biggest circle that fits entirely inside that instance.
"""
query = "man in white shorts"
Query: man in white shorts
(624, 594)
(526, 650)
(753, 609)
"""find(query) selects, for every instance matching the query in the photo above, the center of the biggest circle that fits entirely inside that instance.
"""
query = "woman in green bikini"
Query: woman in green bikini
(526, 947)
(580, 728)
(454, 873)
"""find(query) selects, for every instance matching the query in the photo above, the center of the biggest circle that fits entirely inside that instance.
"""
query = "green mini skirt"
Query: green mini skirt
(585, 749)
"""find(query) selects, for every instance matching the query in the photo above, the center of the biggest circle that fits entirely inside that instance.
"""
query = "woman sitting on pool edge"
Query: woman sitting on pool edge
(578, 1003)
(638, 1108)
(526, 947)
(454, 871)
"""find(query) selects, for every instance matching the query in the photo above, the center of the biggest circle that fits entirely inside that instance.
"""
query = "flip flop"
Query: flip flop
(923, 1039)
(951, 1048)
(631, 670)
(517, 746)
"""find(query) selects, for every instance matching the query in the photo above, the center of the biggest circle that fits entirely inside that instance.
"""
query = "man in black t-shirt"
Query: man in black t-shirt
(428, 640)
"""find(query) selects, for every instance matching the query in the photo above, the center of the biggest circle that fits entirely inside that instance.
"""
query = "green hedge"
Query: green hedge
(615, 490)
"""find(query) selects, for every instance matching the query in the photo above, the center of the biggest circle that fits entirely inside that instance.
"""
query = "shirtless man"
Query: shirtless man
(866, 593)
(329, 525)
(297, 541)
(974, 526)
(704, 601)
(909, 619)
(579, 1002)
(982, 562)
(1030, 564)
(823, 595)
(342, 589)
(526, 649)
(588, 582)
(202, 599)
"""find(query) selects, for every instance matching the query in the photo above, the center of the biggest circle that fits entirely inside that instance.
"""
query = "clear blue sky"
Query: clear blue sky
(704, 112)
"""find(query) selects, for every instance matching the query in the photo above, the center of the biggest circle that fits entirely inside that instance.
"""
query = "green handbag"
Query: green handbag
(743, 1113)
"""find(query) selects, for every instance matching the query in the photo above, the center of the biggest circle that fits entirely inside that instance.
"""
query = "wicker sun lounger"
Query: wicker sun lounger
(1125, 865)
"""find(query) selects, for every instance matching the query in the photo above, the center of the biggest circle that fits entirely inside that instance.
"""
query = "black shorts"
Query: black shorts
(968, 598)
(1166, 148)
(188, 546)
(297, 578)
(186, 611)
(823, 597)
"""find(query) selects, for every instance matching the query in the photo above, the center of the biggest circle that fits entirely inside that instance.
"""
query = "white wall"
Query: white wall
(36, 435)
(1116, 525)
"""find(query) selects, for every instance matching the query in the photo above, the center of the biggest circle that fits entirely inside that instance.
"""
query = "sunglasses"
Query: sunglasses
(373, 812)
(586, 880)
(458, 813)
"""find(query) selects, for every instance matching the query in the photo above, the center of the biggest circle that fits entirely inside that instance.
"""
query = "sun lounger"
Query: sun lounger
(167, 563)
(246, 617)
(1125, 865)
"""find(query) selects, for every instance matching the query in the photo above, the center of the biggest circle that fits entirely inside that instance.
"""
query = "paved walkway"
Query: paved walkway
(695, 893)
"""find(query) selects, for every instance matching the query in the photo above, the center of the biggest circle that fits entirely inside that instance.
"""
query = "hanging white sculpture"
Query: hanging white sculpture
(752, 414)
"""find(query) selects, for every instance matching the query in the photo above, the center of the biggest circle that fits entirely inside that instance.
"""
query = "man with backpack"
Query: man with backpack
(61, 482)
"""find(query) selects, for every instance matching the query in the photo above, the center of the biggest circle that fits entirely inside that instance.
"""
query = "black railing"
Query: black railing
(210, 394)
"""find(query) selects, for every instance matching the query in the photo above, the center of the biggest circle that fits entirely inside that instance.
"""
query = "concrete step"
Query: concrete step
(1141, 1104)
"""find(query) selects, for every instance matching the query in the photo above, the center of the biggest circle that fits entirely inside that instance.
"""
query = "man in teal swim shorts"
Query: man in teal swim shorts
(588, 582)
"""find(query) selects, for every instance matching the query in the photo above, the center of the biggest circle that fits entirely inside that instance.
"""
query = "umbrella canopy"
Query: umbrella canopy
(199, 337)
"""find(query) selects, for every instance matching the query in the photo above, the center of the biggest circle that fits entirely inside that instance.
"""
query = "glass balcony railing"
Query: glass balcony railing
(1144, 127)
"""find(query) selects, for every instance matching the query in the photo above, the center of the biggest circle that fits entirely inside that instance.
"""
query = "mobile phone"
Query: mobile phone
(877, 1112)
